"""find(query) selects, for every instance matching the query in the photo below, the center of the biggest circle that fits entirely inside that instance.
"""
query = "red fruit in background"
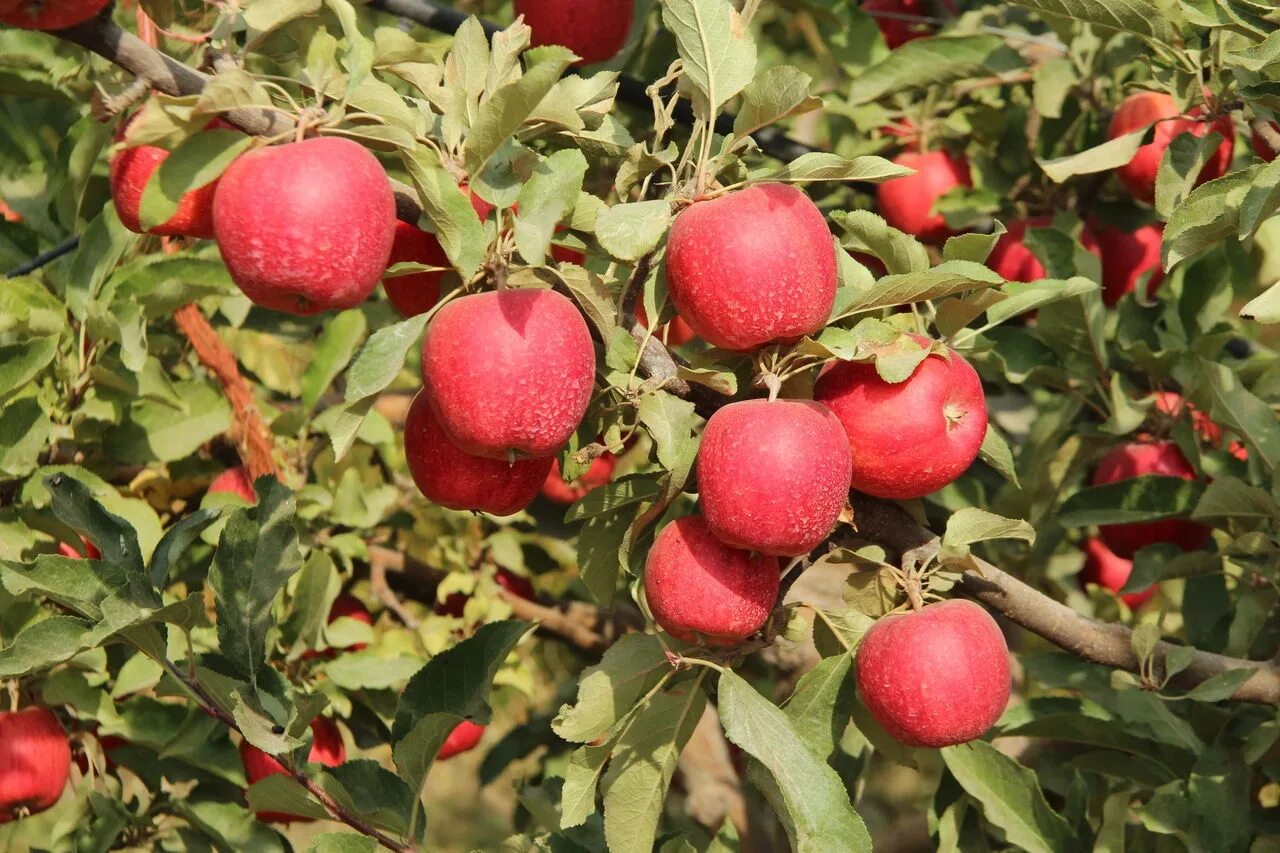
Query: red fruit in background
(702, 590)
(509, 372)
(1159, 458)
(417, 293)
(234, 481)
(773, 477)
(307, 226)
(1126, 257)
(49, 14)
(458, 480)
(326, 748)
(462, 739)
(35, 761)
(1173, 404)
(752, 267)
(1015, 262)
(936, 677)
(454, 605)
(907, 203)
(1103, 568)
(90, 550)
(912, 438)
(349, 607)
(899, 31)
(593, 29)
(131, 169)
(515, 584)
(1261, 146)
(673, 334)
(1143, 108)
(557, 490)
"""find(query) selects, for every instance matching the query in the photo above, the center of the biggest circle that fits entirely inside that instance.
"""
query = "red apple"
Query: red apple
(773, 477)
(593, 29)
(899, 31)
(509, 373)
(307, 226)
(701, 590)
(1261, 146)
(936, 677)
(673, 334)
(462, 739)
(88, 548)
(517, 585)
(1126, 257)
(1015, 262)
(417, 293)
(234, 481)
(1159, 458)
(49, 14)
(458, 480)
(907, 203)
(131, 168)
(349, 607)
(1103, 568)
(555, 489)
(35, 761)
(1173, 404)
(752, 267)
(911, 438)
(1143, 108)
(326, 748)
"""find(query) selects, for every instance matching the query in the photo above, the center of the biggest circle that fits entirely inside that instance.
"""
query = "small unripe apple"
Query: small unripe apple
(417, 293)
(88, 550)
(131, 168)
(593, 29)
(1126, 257)
(459, 480)
(752, 267)
(1143, 108)
(234, 481)
(1015, 262)
(49, 14)
(1261, 146)
(907, 203)
(307, 226)
(773, 477)
(701, 590)
(911, 438)
(936, 677)
(673, 334)
(555, 489)
(326, 749)
(462, 739)
(509, 372)
(1137, 459)
(35, 761)
(899, 31)
(1103, 568)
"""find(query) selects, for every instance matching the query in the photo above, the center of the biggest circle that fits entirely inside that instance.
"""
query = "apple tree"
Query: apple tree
(680, 425)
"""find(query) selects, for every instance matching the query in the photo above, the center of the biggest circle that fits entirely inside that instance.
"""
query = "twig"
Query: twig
(66, 247)
(382, 589)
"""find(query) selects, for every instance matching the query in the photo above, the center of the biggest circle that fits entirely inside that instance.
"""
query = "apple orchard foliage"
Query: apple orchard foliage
(1104, 291)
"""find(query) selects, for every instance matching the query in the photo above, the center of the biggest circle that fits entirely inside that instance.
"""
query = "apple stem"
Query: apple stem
(14, 695)
(911, 583)
(773, 382)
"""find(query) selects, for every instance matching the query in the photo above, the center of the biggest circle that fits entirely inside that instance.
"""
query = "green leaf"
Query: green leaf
(819, 707)
(1209, 215)
(1111, 154)
(257, 554)
(502, 114)
(267, 15)
(460, 232)
(625, 491)
(629, 231)
(334, 348)
(717, 48)
(995, 452)
(1021, 297)
(1180, 168)
(1146, 498)
(358, 59)
(1237, 408)
(946, 279)
(75, 506)
(581, 780)
(24, 435)
(1264, 308)
(970, 524)
(608, 690)
(197, 162)
(177, 539)
(820, 166)
(151, 433)
(599, 542)
(282, 793)
(1221, 686)
(343, 842)
(867, 232)
(925, 62)
(1010, 797)
(819, 815)
(21, 362)
(1125, 16)
(670, 422)
(365, 788)
(777, 93)
(642, 765)
(545, 198)
(44, 644)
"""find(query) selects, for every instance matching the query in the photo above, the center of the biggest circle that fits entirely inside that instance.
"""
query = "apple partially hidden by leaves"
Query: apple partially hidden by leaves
(907, 203)
(556, 490)
(593, 29)
(234, 481)
(912, 24)
(701, 590)
(344, 607)
(1014, 261)
(35, 762)
(1143, 108)
(88, 549)
(1137, 459)
(936, 677)
(462, 739)
(327, 748)
(1102, 567)
(49, 14)
(1127, 256)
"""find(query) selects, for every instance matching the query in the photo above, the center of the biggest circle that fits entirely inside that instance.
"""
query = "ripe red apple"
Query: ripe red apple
(1143, 108)
(912, 438)
(517, 585)
(307, 226)
(936, 677)
(326, 748)
(1103, 568)
(701, 590)
(673, 334)
(555, 489)
(35, 761)
(593, 29)
(899, 31)
(1137, 459)
(773, 477)
(131, 168)
(1262, 147)
(350, 607)
(752, 267)
(1015, 262)
(88, 550)
(462, 739)
(49, 14)
(417, 293)
(1126, 257)
(509, 372)
(459, 480)
(907, 203)
(234, 481)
